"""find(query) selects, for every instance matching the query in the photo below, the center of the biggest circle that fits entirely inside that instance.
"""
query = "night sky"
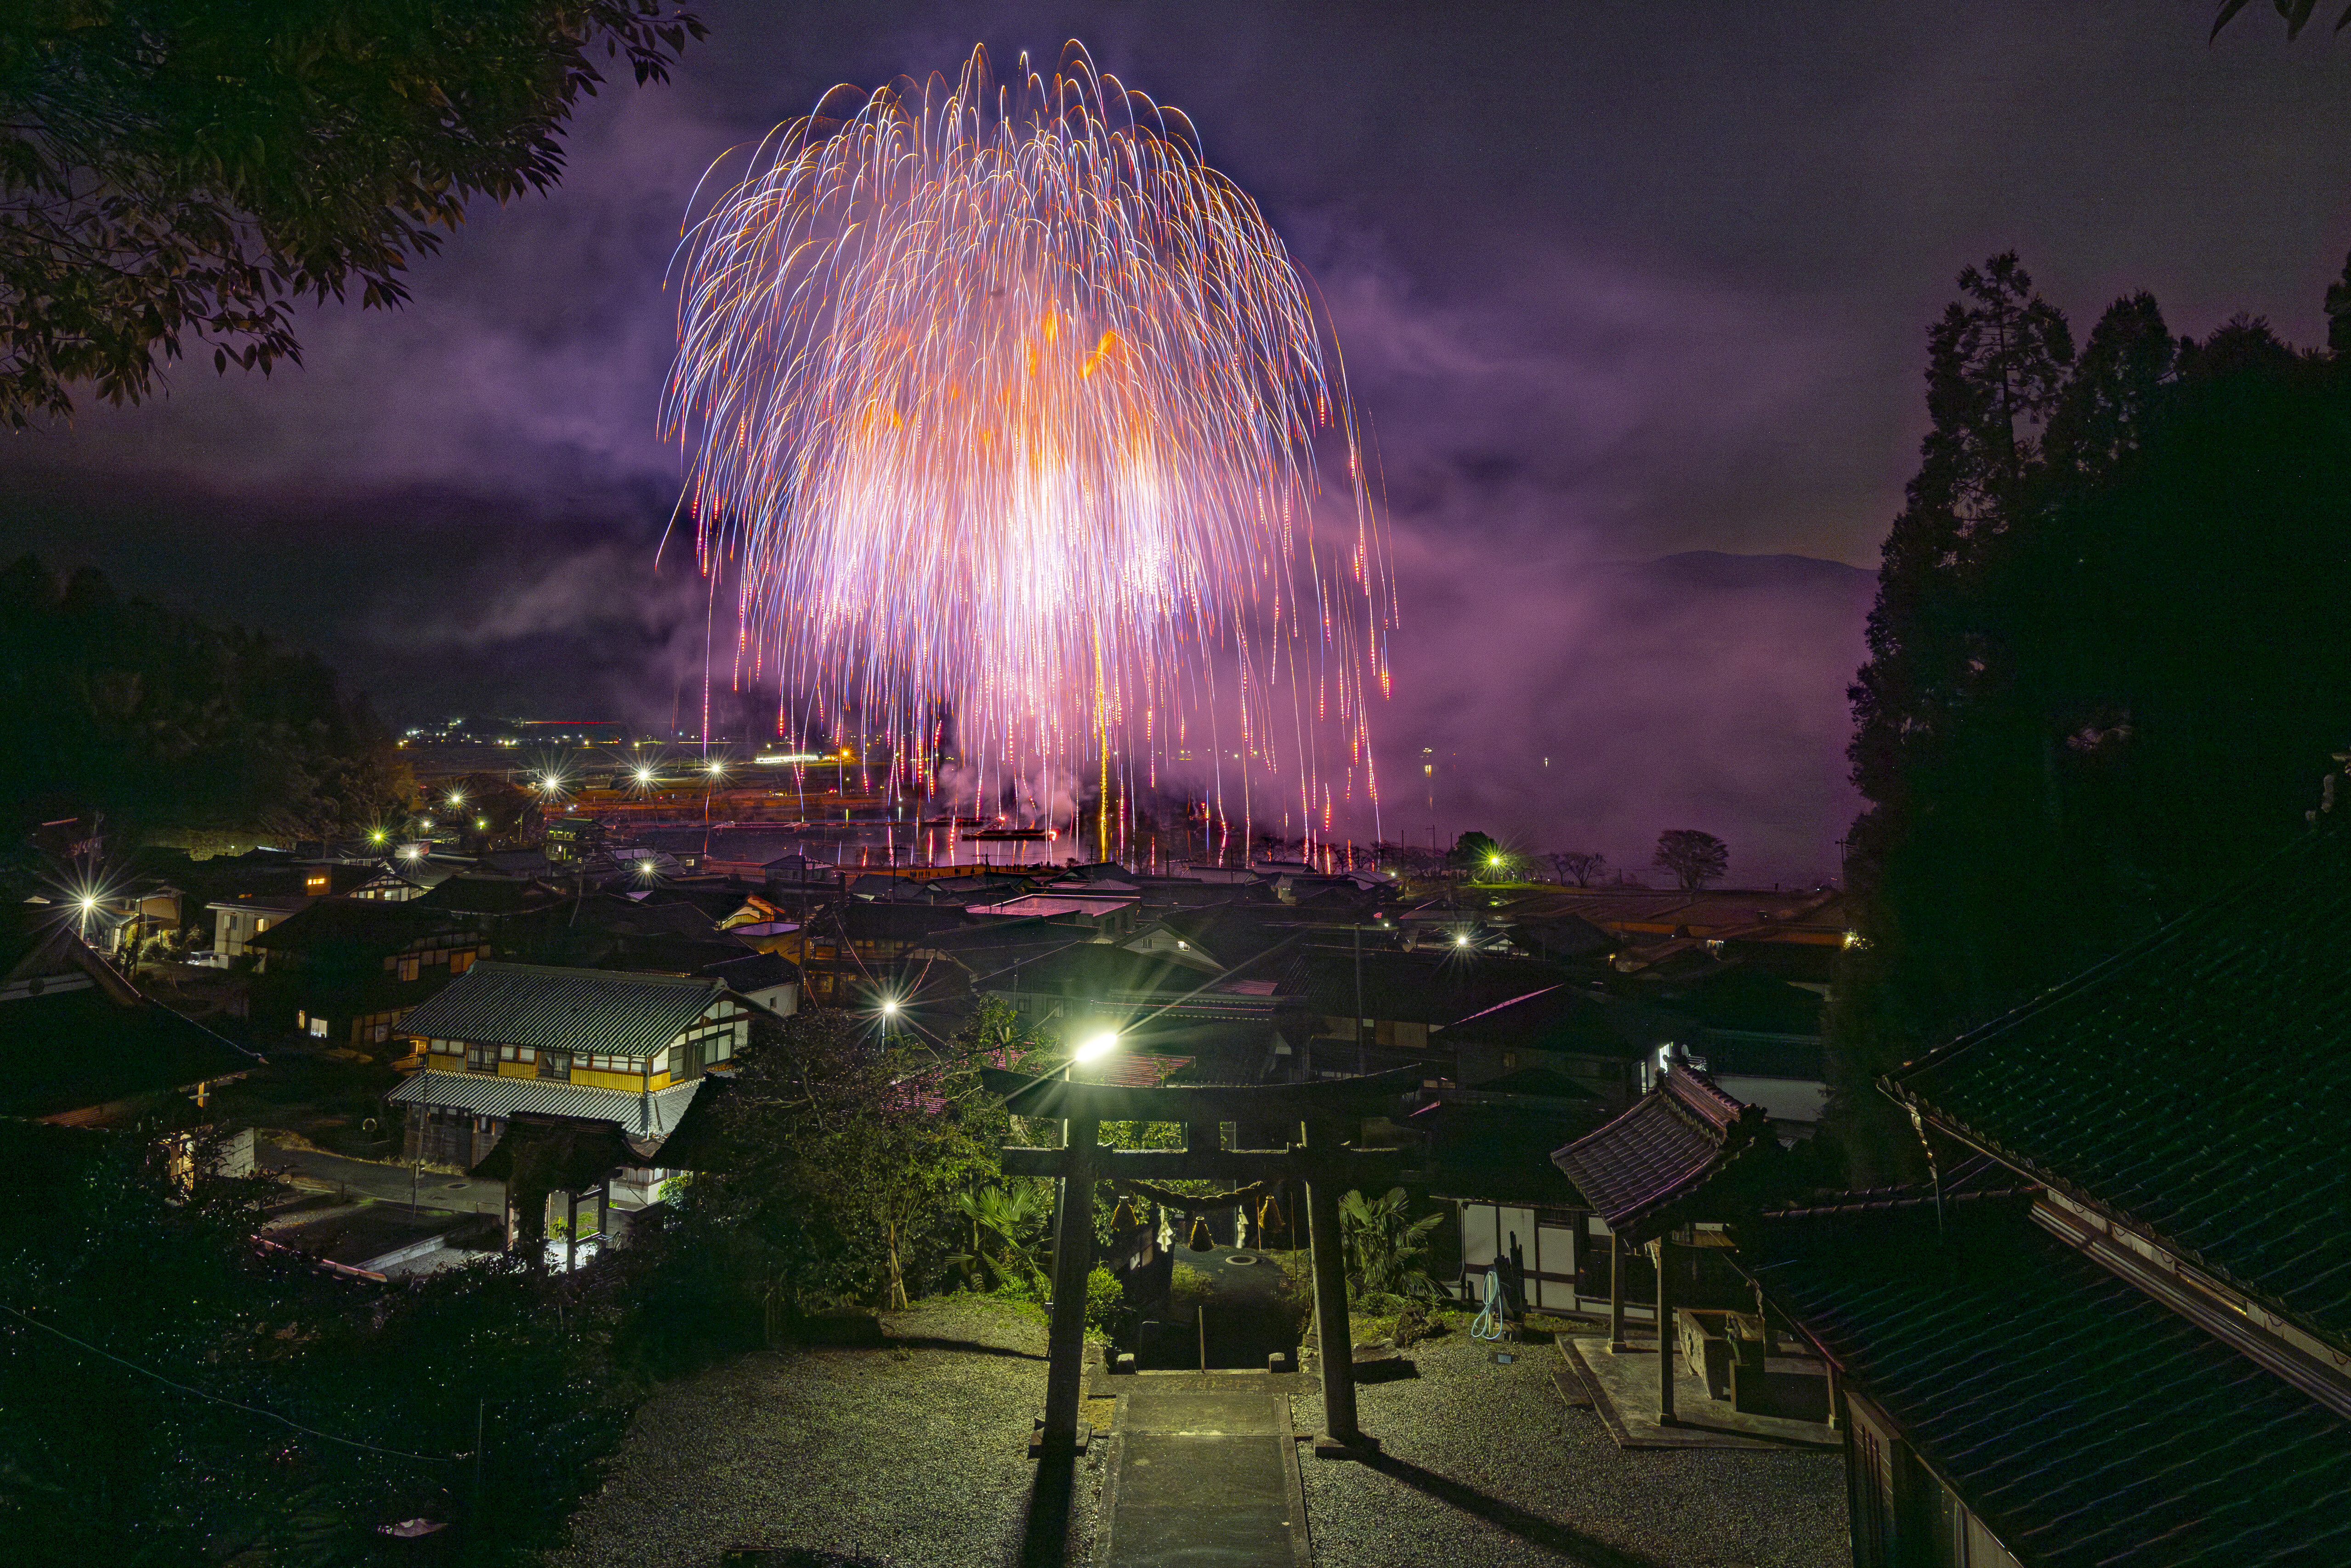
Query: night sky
(1615, 283)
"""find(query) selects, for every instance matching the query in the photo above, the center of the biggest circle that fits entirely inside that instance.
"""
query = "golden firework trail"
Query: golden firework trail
(1002, 411)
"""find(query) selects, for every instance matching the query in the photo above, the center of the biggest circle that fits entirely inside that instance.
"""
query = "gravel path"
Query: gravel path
(913, 1456)
(1486, 1464)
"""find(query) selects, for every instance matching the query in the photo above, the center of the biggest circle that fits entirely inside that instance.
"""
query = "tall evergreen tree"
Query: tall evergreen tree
(1996, 362)
(2097, 688)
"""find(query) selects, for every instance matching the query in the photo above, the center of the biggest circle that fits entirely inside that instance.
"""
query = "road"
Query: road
(367, 1178)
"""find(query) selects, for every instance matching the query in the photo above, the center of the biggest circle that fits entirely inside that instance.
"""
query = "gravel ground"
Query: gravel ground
(913, 1456)
(1487, 1465)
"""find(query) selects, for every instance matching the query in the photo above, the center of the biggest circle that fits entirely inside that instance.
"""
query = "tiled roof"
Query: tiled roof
(1642, 1171)
(1442, 987)
(584, 1011)
(567, 1156)
(2085, 1423)
(642, 1115)
(76, 1048)
(359, 921)
(2193, 1087)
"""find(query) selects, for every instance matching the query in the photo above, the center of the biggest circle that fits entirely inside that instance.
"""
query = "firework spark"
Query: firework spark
(1001, 411)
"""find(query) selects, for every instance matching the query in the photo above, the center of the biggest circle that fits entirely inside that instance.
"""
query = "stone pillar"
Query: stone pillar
(1334, 1338)
(1074, 1258)
(1665, 1334)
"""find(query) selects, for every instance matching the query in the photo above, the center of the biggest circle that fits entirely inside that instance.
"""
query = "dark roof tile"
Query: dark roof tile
(2192, 1086)
(2085, 1422)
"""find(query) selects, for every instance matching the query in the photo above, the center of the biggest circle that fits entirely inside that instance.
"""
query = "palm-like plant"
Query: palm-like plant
(1007, 1216)
(1384, 1245)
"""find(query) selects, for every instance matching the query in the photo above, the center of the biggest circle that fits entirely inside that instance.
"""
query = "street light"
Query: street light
(1097, 1047)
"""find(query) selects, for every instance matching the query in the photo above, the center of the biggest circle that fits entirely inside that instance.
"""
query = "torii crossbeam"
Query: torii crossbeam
(1321, 1158)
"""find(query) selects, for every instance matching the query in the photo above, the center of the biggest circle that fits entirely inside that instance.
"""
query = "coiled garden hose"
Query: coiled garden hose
(1489, 1324)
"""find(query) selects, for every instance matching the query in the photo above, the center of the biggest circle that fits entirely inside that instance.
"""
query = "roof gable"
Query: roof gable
(1646, 1172)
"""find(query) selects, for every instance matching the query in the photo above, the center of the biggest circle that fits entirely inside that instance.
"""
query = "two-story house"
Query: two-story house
(602, 1049)
(348, 970)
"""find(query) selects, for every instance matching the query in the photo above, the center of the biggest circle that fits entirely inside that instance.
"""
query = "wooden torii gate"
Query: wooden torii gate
(1321, 1159)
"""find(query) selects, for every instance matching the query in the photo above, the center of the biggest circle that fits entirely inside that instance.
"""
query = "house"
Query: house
(1757, 1035)
(237, 921)
(79, 1046)
(594, 1048)
(766, 979)
(1487, 1151)
(2137, 1348)
(847, 948)
(1467, 1015)
(348, 970)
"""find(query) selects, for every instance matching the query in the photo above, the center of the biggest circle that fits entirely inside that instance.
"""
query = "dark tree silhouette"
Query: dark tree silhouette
(2297, 15)
(179, 169)
(175, 729)
(1695, 858)
(2095, 694)
(1583, 867)
(1474, 853)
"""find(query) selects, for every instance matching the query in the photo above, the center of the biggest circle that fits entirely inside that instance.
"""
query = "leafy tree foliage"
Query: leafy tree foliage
(100, 1463)
(176, 729)
(1694, 857)
(2094, 695)
(848, 1150)
(177, 170)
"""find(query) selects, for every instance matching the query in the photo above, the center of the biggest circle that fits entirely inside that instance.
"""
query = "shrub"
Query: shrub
(1105, 1301)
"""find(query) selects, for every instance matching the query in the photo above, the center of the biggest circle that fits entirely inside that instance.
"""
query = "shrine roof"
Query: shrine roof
(1650, 1169)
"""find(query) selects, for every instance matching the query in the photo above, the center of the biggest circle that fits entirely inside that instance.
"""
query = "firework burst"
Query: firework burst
(1003, 413)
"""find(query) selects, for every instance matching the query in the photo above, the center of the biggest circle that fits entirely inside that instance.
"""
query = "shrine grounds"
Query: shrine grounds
(912, 1454)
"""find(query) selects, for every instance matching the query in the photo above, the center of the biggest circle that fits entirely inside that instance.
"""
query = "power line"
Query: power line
(234, 1405)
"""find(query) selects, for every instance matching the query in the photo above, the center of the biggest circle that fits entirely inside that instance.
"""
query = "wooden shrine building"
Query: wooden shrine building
(1681, 1155)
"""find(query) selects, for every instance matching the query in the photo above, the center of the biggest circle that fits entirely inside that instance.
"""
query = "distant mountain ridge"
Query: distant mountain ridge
(1710, 568)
